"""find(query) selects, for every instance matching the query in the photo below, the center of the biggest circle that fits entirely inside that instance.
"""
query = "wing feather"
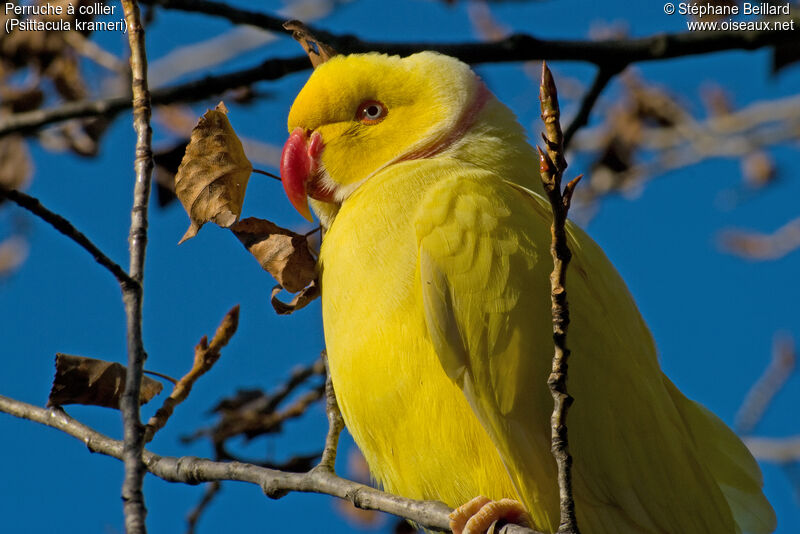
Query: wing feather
(484, 270)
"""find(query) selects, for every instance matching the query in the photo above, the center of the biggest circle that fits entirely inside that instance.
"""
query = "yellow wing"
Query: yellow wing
(646, 459)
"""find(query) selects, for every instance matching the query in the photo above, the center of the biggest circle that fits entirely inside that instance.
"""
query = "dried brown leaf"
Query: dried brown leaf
(21, 99)
(213, 175)
(318, 52)
(281, 252)
(298, 302)
(81, 380)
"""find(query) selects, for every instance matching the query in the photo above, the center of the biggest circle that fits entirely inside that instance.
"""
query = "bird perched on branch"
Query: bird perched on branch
(437, 319)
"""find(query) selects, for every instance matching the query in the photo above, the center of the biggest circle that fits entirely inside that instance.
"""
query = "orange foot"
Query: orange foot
(477, 515)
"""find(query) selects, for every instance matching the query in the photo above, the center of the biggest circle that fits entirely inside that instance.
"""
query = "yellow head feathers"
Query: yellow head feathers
(371, 110)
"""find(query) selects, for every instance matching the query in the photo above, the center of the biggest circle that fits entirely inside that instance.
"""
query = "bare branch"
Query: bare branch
(521, 47)
(133, 431)
(552, 165)
(758, 399)
(335, 425)
(778, 450)
(223, 10)
(758, 246)
(205, 356)
(601, 80)
(191, 470)
(65, 227)
(271, 69)
(212, 490)
(613, 54)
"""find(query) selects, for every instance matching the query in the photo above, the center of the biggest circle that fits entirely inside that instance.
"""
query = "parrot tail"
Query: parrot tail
(730, 463)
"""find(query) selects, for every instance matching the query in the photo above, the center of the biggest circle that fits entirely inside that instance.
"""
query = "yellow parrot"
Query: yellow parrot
(436, 311)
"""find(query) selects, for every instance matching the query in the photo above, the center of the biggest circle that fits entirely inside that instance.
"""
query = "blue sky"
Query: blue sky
(713, 345)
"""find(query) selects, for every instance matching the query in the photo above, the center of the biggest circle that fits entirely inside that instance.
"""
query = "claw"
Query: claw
(480, 513)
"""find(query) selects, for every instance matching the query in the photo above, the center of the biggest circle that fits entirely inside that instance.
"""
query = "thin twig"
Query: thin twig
(299, 463)
(312, 232)
(335, 425)
(779, 450)
(65, 227)
(133, 431)
(601, 80)
(758, 246)
(220, 9)
(266, 173)
(212, 490)
(161, 375)
(254, 413)
(552, 166)
(192, 470)
(205, 356)
(777, 373)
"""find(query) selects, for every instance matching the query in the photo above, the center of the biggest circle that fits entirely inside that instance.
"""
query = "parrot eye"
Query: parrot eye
(371, 112)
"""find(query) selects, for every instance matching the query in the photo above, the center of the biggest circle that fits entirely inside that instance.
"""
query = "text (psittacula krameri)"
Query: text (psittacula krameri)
(436, 312)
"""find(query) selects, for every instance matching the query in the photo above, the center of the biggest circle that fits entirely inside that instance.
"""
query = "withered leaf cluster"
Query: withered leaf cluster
(211, 183)
(251, 413)
(81, 380)
(281, 252)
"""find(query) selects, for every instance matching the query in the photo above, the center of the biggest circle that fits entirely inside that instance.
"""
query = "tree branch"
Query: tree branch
(205, 356)
(601, 80)
(552, 165)
(610, 54)
(779, 450)
(223, 10)
(65, 227)
(780, 369)
(271, 69)
(133, 431)
(335, 424)
(519, 47)
(212, 490)
(191, 470)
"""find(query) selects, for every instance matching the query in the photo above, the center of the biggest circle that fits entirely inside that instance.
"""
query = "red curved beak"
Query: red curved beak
(299, 164)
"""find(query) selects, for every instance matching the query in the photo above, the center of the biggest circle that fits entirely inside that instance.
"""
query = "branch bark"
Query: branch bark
(190, 470)
(65, 227)
(133, 430)
(602, 78)
(205, 356)
(552, 165)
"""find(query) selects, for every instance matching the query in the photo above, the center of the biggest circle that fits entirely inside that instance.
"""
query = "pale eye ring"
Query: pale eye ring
(371, 112)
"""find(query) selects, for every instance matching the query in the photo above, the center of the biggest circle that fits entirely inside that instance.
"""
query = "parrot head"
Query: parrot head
(361, 113)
